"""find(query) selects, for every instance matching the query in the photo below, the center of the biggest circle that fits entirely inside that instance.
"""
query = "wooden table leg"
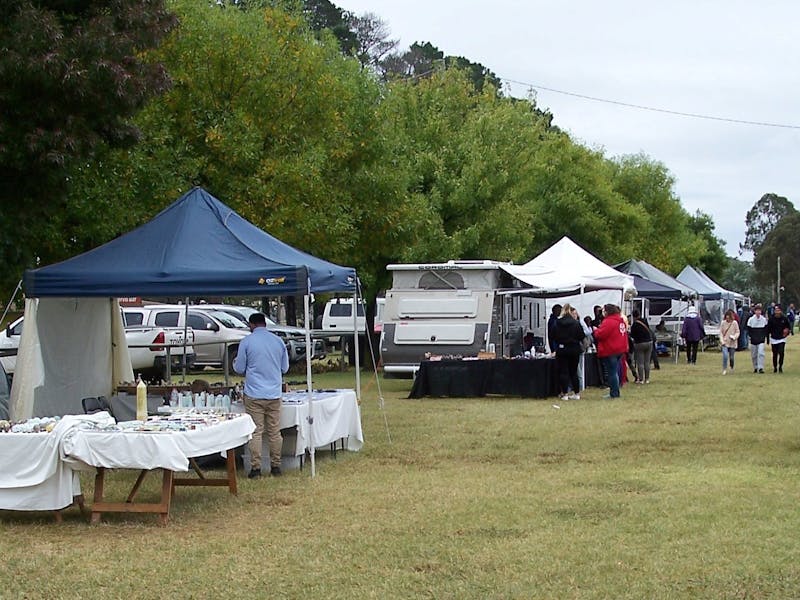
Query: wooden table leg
(79, 501)
(99, 479)
(136, 485)
(230, 462)
(160, 508)
(166, 495)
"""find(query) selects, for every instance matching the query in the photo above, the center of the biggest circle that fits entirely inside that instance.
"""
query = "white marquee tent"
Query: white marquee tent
(566, 273)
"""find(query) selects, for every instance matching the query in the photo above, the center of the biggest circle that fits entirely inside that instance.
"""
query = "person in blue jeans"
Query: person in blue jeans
(612, 343)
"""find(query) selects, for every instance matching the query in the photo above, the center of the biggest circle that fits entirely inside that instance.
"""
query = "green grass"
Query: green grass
(684, 488)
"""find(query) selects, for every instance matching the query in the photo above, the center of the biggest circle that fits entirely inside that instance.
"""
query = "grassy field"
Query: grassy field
(684, 488)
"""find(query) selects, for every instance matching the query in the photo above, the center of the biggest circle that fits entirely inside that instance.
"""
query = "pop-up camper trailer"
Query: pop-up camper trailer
(443, 309)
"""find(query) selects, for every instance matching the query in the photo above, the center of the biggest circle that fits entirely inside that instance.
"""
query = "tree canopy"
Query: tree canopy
(73, 76)
(274, 111)
(783, 242)
(762, 218)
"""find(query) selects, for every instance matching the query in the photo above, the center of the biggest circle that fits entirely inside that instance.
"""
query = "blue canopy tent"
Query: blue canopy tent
(195, 246)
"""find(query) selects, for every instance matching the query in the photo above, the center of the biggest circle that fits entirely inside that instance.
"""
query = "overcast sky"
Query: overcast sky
(730, 59)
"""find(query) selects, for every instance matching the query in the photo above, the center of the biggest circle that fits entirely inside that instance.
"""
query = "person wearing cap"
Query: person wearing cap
(757, 332)
(692, 331)
(778, 328)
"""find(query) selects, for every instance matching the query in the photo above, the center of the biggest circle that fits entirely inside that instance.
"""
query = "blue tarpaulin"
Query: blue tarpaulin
(195, 246)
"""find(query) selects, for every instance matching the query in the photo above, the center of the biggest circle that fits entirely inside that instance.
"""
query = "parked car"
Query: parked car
(380, 304)
(293, 337)
(213, 330)
(9, 340)
(146, 346)
(5, 393)
(338, 316)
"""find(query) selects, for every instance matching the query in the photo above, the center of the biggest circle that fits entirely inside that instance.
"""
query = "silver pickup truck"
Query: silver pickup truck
(148, 348)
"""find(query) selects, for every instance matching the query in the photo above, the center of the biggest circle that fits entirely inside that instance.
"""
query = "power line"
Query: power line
(651, 108)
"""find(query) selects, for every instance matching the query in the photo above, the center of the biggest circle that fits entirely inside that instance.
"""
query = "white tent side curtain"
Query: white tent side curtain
(70, 348)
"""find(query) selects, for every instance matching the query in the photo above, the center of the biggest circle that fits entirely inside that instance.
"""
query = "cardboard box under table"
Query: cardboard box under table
(171, 451)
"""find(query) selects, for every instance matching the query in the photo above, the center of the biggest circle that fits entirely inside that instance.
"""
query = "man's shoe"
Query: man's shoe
(724, 372)
(254, 474)
(755, 370)
(275, 471)
(761, 370)
(780, 369)
(574, 396)
(774, 369)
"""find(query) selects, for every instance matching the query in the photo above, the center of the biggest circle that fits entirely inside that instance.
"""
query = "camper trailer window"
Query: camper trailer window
(447, 280)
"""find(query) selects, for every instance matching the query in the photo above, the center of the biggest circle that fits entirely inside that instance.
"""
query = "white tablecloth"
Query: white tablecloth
(144, 450)
(33, 475)
(336, 416)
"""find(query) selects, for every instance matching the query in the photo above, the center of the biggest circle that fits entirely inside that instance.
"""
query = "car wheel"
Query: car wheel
(232, 352)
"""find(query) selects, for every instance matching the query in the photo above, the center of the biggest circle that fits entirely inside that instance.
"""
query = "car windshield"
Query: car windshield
(242, 313)
(228, 320)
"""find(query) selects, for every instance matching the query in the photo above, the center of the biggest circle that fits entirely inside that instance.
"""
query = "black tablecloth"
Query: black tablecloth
(528, 378)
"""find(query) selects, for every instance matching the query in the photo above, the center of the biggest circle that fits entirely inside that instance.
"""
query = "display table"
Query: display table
(337, 417)
(170, 451)
(527, 378)
(34, 476)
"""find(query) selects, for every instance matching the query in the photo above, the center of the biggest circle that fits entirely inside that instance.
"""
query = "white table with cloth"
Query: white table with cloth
(170, 451)
(336, 417)
(33, 475)
(336, 414)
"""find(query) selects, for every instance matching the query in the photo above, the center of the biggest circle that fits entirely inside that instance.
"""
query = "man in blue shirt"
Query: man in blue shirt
(263, 359)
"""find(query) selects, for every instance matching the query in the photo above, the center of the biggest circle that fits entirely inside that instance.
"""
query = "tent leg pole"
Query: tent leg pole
(310, 404)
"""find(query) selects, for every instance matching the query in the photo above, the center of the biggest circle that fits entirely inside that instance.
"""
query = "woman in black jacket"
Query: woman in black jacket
(567, 336)
(642, 346)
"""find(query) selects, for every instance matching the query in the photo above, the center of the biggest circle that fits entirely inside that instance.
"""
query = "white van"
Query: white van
(338, 316)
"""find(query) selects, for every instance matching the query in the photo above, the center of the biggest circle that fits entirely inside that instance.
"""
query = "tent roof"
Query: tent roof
(195, 246)
(565, 267)
(650, 289)
(651, 273)
(706, 286)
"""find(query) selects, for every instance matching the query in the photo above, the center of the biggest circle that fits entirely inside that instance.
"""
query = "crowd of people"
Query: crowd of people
(626, 346)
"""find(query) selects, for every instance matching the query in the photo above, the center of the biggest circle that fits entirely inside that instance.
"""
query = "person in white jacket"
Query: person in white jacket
(757, 332)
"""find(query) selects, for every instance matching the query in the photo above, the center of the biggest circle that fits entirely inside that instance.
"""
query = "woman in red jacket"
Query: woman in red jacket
(612, 343)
